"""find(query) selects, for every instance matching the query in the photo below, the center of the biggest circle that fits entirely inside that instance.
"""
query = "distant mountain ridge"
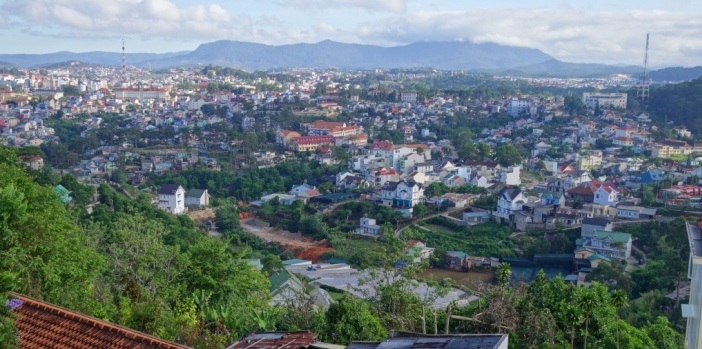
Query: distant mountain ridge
(96, 57)
(438, 55)
(452, 55)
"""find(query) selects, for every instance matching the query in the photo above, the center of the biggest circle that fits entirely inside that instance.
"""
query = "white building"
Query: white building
(606, 196)
(520, 106)
(610, 244)
(197, 197)
(171, 198)
(604, 100)
(509, 201)
(509, 176)
(635, 212)
(368, 226)
(693, 310)
(409, 97)
(403, 194)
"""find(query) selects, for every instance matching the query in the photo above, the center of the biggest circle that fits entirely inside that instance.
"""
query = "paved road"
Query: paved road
(639, 221)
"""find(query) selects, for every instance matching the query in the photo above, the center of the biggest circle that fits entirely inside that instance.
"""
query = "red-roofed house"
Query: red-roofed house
(382, 175)
(606, 195)
(585, 192)
(565, 168)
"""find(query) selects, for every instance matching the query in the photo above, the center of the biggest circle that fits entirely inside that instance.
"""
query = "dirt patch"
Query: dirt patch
(201, 216)
(304, 247)
(471, 280)
(313, 254)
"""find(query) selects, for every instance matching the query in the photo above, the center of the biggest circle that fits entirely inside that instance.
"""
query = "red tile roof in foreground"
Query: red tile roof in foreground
(276, 340)
(42, 325)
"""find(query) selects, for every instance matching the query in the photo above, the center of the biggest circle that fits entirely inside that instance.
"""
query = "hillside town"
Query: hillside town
(552, 179)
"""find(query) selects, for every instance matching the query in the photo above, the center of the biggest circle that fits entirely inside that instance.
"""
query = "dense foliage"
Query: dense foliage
(679, 103)
(556, 314)
(127, 262)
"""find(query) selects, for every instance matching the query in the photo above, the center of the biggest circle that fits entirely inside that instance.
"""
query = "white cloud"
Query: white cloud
(149, 18)
(567, 34)
(395, 6)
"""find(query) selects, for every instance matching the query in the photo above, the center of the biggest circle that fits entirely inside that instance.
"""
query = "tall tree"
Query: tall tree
(588, 302)
(618, 299)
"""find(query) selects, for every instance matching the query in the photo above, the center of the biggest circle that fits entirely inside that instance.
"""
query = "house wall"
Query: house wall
(628, 214)
(602, 197)
(172, 203)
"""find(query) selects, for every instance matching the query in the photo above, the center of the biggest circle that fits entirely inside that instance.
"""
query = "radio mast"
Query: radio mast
(124, 66)
(642, 91)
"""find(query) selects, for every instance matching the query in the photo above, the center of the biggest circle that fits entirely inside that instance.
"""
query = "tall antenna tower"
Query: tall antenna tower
(642, 92)
(124, 65)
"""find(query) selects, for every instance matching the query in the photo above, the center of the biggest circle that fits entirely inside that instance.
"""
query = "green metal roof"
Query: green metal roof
(614, 235)
(278, 279)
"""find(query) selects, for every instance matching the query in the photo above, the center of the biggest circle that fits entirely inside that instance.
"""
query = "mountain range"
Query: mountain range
(486, 57)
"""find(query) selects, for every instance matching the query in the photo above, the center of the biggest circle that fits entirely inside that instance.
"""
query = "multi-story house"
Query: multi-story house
(590, 161)
(382, 176)
(409, 97)
(610, 244)
(403, 194)
(606, 195)
(520, 106)
(509, 176)
(604, 100)
(171, 198)
(368, 226)
(509, 201)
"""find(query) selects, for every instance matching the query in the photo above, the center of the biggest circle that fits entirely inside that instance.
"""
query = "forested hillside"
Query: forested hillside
(679, 103)
(127, 262)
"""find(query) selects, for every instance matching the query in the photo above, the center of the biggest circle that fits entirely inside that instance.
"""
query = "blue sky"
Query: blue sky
(575, 31)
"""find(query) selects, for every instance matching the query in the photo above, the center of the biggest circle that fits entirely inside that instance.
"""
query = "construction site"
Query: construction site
(303, 247)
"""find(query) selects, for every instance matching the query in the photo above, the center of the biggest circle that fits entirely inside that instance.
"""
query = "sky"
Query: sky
(592, 31)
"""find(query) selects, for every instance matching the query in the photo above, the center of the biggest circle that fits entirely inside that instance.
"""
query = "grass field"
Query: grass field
(440, 229)
(348, 245)
(486, 240)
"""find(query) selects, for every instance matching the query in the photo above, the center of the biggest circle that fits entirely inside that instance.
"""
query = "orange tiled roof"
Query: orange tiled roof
(42, 325)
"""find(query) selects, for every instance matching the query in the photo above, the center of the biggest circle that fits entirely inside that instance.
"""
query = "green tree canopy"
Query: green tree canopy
(507, 155)
(350, 319)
